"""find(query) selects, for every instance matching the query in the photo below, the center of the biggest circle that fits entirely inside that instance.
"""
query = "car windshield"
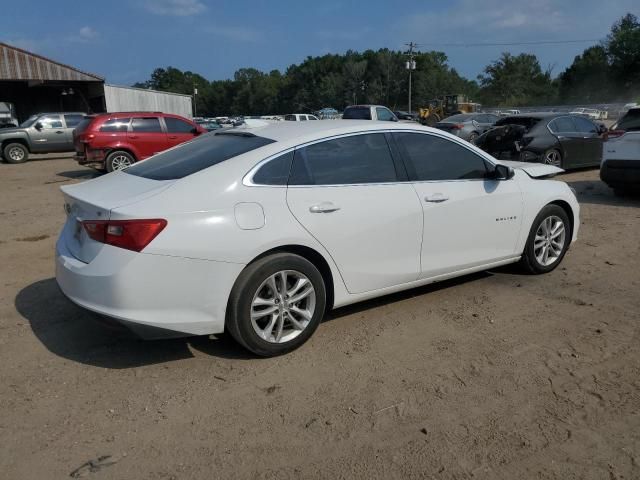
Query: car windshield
(198, 154)
(458, 118)
(29, 121)
(357, 113)
(527, 122)
(631, 120)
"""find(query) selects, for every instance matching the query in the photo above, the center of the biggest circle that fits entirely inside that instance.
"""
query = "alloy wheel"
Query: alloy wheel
(549, 240)
(552, 157)
(283, 306)
(120, 161)
(16, 154)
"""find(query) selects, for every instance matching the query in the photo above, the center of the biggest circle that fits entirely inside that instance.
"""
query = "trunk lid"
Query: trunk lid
(94, 200)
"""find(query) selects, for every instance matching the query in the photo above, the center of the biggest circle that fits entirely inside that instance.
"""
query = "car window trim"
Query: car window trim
(556, 118)
(402, 172)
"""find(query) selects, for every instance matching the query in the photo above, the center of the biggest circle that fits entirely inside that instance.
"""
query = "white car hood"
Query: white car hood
(534, 170)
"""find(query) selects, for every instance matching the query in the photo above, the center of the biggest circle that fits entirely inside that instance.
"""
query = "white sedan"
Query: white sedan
(260, 231)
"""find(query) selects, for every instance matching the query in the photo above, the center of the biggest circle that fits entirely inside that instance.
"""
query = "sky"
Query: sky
(125, 40)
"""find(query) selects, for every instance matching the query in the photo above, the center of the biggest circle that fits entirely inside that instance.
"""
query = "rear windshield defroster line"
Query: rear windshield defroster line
(196, 155)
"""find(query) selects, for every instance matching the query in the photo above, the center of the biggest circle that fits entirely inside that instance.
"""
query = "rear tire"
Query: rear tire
(261, 288)
(552, 157)
(15, 153)
(118, 160)
(548, 241)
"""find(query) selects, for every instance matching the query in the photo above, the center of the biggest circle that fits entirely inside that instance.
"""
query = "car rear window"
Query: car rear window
(84, 123)
(196, 155)
(458, 118)
(630, 121)
(357, 113)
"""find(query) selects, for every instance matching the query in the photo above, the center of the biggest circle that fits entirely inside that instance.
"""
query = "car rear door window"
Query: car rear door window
(196, 155)
(146, 125)
(429, 158)
(72, 120)
(175, 125)
(563, 125)
(275, 171)
(584, 126)
(344, 161)
(303, 118)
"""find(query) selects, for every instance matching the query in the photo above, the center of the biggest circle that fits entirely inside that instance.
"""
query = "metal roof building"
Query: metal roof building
(35, 84)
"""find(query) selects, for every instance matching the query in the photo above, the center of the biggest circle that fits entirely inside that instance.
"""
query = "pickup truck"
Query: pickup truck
(369, 112)
(41, 133)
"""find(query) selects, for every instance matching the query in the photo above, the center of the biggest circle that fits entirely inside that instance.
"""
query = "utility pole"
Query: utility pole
(411, 65)
(195, 100)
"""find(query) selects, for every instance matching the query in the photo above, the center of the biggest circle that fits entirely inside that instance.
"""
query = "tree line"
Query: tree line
(607, 72)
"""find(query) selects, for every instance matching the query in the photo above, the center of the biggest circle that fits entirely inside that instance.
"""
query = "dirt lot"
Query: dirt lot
(494, 376)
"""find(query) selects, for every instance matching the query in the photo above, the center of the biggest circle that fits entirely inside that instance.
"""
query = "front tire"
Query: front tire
(15, 153)
(548, 240)
(473, 137)
(276, 304)
(118, 160)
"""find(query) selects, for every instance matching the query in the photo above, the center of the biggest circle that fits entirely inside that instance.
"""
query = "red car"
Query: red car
(113, 141)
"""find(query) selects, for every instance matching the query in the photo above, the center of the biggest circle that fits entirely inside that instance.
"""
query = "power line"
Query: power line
(507, 44)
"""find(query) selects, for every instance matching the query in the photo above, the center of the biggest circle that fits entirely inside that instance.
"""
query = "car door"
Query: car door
(346, 193)
(71, 121)
(179, 131)
(591, 142)
(47, 134)
(469, 219)
(147, 135)
(565, 131)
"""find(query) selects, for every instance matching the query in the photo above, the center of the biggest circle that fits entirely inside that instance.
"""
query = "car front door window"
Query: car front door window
(384, 114)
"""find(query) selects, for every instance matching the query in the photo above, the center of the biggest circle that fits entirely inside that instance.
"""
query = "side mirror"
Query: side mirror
(195, 131)
(394, 119)
(38, 126)
(502, 172)
(602, 128)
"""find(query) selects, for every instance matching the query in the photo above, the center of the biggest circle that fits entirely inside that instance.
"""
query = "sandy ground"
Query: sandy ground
(493, 376)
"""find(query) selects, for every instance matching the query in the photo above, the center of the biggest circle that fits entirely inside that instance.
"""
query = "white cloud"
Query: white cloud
(87, 33)
(177, 8)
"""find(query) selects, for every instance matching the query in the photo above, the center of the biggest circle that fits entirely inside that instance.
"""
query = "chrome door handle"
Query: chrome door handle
(436, 198)
(59, 131)
(324, 207)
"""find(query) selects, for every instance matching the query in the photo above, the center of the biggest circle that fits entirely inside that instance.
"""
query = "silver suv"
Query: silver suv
(41, 133)
(369, 112)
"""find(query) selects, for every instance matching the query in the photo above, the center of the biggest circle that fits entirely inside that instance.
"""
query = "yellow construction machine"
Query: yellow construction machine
(441, 108)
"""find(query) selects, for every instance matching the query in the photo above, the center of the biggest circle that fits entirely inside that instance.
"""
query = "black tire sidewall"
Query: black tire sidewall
(6, 149)
(238, 315)
(529, 258)
(107, 162)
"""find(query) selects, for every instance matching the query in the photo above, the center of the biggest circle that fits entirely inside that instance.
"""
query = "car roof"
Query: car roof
(301, 132)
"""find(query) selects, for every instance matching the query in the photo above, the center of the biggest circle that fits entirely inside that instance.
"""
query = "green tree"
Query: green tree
(623, 48)
(516, 80)
(588, 79)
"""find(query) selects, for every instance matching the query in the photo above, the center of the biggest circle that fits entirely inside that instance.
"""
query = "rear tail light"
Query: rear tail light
(457, 126)
(129, 234)
(612, 134)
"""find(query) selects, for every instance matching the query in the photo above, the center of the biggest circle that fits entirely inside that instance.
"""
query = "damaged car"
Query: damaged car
(558, 139)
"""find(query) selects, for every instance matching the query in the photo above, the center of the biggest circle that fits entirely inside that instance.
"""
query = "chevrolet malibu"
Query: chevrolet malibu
(260, 231)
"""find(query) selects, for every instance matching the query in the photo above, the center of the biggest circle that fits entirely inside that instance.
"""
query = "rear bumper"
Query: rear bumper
(620, 173)
(154, 295)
